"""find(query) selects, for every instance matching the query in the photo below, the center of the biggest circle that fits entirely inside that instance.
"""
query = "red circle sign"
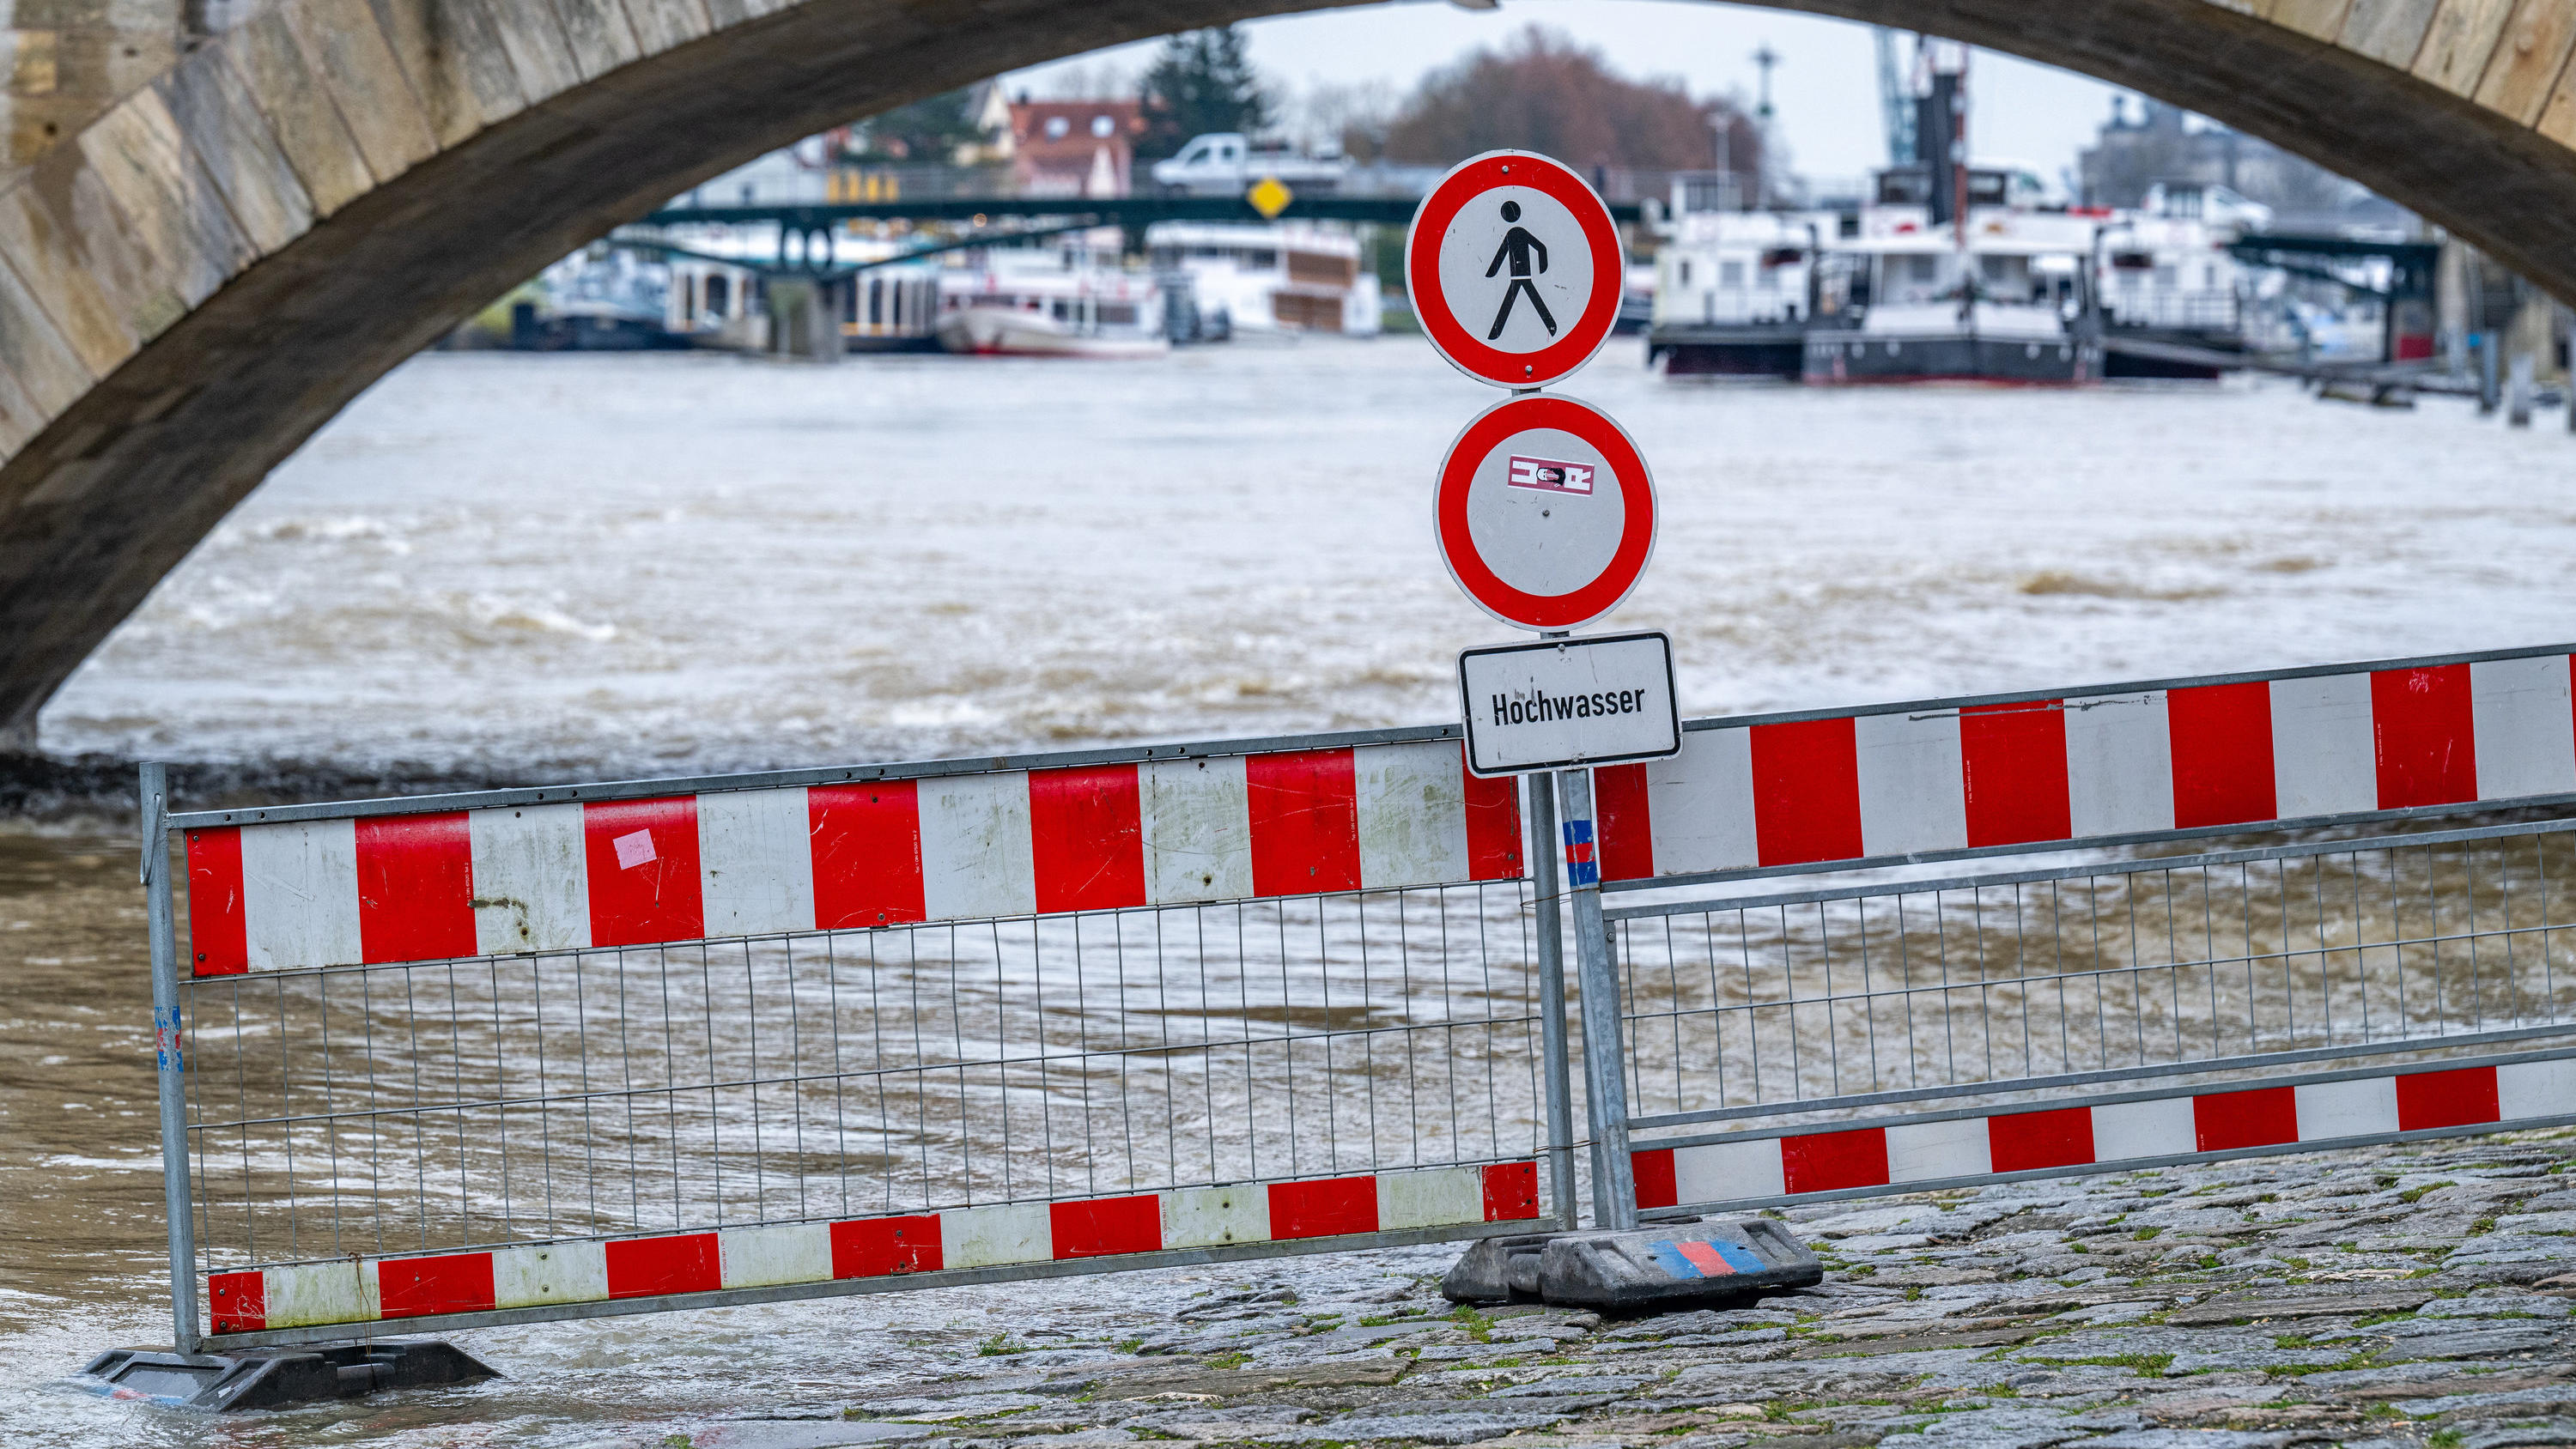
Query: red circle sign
(1514, 269)
(1544, 512)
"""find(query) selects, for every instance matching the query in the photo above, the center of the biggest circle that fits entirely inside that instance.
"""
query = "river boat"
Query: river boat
(1279, 280)
(2165, 278)
(1050, 305)
(1958, 272)
(1735, 292)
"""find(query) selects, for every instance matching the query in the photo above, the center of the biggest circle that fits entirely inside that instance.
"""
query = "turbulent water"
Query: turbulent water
(527, 568)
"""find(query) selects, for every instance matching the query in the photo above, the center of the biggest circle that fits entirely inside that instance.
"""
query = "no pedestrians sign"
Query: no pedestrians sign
(1514, 269)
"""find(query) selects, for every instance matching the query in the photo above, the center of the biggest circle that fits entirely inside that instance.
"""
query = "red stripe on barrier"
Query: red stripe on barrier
(1305, 816)
(2462, 1098)
(2264, 1117)
(237, 1302)
(1087, 838)
(1626, 821)
(2023, 1141)
(644, 1267)
(415, 887)
(643, 858)
(2013, 763)
(1105, 1227)
(881, 1247)
(218, 934)
(1493, 825)
(866, 843)
(2222, 754)
(418, 1287)
(1511, 1192)
(1324, 1209)
(1652, 1171)
(1830, 1161)
(1806, 792)
(2421, 724)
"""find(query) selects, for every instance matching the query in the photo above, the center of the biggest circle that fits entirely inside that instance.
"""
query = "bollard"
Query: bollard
(2518, 392)
(2487, 379)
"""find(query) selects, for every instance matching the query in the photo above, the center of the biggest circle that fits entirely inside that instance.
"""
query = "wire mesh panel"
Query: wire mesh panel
(2135, 966)
(451, 1105)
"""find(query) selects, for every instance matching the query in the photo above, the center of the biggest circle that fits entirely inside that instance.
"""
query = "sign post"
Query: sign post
(1545, 516)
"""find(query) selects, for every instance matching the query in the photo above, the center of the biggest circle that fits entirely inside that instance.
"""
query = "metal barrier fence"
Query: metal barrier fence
(1221, 1002)
(574, 1051)
(2004, 987)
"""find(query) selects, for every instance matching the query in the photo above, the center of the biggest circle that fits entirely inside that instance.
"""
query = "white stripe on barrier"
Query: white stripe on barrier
(2526, 734)
(300, 894)
(993, 1236)
(1197, 827)
(2346, 1109)
(531, 879)
(1922, 1151)
(755, 862)
(1724, 1170)
(975, 855)
(2124, 1130)
(311, 1293)
(1412, 809)
(543, 1273)
(2324, 756)
(1703, 804)
(2119, 764)
(767, 1257)
(1428, 1199)
(1207, 1217)
(2536, 1089)
(1912, 793)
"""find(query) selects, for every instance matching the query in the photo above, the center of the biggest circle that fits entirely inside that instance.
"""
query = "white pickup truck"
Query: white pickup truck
(1226, 163)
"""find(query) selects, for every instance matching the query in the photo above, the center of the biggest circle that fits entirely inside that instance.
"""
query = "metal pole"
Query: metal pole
(1605, 1078)
(2517, 391)
(168, 1045)
(2489, 387)
(1551, 1012)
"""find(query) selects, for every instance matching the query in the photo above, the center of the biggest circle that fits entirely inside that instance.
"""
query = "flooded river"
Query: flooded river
(516, 568)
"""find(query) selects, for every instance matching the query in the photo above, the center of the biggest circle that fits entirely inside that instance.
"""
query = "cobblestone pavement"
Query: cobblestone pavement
(2386, 1298)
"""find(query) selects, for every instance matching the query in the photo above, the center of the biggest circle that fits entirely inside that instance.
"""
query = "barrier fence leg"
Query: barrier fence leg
(168, 1044)
(1605, 1079)
(1546, 878)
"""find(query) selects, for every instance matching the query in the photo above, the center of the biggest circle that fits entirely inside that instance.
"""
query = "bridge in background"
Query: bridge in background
(220, 224)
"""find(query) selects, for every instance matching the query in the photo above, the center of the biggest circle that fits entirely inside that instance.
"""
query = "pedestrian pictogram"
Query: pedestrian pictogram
(1517, 247)
(1514, 269)
(1544, 512)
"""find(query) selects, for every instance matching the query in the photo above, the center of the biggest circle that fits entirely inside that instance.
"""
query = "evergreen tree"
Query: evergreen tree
(930, 129)
(1201, 82)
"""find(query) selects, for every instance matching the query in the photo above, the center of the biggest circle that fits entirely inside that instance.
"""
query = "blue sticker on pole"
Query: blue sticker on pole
(1582, 866)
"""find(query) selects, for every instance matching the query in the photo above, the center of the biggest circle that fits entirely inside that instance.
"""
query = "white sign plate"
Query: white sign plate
(1544, 512)
(1562, 703)
(1514, 268)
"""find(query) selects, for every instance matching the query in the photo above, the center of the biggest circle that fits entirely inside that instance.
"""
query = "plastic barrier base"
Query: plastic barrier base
(1654, 1270)
(270, 1378)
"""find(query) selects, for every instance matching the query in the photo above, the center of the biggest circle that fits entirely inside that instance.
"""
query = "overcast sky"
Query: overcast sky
(1825, 89)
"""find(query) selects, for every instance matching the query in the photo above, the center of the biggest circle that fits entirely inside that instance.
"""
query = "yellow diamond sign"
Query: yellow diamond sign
(1269, 197)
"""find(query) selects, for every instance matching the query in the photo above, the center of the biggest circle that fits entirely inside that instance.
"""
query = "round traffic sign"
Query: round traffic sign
(1544, 512)
(1514, 269)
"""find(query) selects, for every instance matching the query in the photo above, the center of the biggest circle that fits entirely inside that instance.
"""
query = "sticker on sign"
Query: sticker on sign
(1560, 703)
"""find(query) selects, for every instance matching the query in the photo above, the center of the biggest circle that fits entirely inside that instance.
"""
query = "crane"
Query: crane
(1895, 100)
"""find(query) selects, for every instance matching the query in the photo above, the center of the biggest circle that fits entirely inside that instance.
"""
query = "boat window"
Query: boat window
(2167, 277)
(1730, 274)
(1118, 314)
(1924, 267)
(1056, 127)
(1683, 270)
(718, 295)
(2133, 261)
(1263, 257)
(1782, 256)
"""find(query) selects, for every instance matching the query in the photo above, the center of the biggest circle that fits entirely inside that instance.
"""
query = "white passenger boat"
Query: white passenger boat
(1050, 305)
(1282, 279)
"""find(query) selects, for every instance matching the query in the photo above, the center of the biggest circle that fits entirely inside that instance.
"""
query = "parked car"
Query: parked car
(1226, 163)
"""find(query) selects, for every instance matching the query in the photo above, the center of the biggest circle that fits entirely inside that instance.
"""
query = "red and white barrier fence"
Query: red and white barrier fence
(549, 877)
(550, 1275)
(2236, 1118)
(1958, 776)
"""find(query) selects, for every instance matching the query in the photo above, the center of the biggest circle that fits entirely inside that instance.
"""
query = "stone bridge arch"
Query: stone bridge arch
(217, 231)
